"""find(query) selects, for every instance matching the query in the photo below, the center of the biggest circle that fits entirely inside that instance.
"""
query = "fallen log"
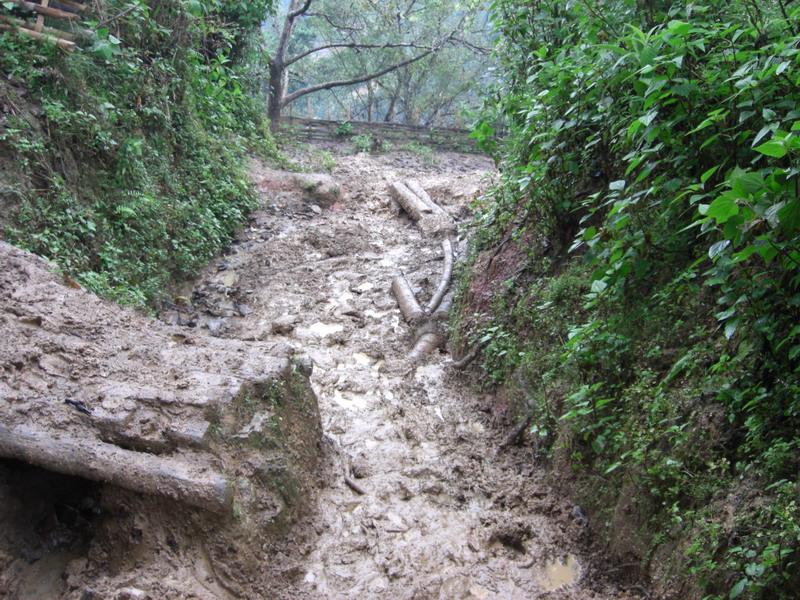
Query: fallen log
(419, 191)
(136, 471)
(406, 300)
(409, 201)
(426, 344)
(444, 283)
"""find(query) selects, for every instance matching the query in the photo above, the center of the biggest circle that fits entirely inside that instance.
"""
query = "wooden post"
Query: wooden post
(40, 19)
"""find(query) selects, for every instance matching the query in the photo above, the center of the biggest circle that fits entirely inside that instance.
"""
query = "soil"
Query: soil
(415, 497)
(418, 500)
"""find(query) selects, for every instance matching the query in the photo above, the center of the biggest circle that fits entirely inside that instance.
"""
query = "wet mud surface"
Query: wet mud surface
(418, 501)
(415, 496)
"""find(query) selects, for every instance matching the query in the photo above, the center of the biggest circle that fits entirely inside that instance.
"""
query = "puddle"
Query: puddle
(558, 574)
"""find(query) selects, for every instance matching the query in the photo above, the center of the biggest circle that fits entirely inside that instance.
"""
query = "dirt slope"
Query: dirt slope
(431, 509)
(166, 458)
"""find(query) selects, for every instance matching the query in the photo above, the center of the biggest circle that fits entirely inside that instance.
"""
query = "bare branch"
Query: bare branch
(361, 79)
(354, 45)
(299, 11)
(332, 23)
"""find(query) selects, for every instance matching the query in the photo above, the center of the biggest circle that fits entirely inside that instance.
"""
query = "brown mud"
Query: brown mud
(419, 502)
(416, 497)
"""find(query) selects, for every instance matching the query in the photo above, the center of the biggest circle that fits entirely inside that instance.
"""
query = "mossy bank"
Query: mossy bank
(634, 278)
(124, 161)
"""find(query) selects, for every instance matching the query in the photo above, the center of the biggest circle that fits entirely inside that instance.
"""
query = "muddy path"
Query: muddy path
(417, 501)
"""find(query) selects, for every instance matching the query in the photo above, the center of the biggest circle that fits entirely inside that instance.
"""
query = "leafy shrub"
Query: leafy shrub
(136, 162)
(363, 142)
(655, 144)
(345, 129)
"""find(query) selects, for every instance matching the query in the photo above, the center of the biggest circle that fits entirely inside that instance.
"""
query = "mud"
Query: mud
(418, 501)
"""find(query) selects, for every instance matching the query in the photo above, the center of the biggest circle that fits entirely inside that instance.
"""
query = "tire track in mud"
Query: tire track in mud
(417, 501)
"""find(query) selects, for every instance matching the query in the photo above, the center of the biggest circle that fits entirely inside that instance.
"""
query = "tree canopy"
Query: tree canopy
(408, 60)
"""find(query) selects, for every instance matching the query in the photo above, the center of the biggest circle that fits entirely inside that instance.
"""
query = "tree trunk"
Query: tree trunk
(276, 93)
(370, 100)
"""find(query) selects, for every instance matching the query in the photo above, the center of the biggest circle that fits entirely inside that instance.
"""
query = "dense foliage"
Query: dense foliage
(124, 160)
(650, 179)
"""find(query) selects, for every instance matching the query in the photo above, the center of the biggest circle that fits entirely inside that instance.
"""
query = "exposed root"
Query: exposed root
(515, 436)
(406, 300)
(447, 275)
(466, 360)
(354, 486)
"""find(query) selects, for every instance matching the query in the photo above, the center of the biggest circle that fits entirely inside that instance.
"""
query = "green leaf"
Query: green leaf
(648, 118)
(723, 208)
(730, 328)
(773, 148)
(789, 215)
(599, 286)
(679, 28)
(617, 185)
(718, 248)
(738, 589)
(709, 174)
(745, 183)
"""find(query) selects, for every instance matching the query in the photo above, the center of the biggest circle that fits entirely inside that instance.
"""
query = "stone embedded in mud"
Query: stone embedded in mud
(319, 189)
(284, 324)
(131, 593)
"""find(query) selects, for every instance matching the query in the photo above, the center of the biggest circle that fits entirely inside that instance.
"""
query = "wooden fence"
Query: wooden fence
(319, 130)
(47, 20)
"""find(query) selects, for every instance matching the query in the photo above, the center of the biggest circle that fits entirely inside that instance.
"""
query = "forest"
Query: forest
(630, 279)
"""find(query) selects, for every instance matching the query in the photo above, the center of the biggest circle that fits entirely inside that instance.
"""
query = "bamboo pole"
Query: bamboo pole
(61, 43)
(73, 5)
(47, 10)
(65, 35)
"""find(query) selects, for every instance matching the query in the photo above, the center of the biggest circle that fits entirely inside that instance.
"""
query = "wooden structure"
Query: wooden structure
(440, 137)
(60, 14)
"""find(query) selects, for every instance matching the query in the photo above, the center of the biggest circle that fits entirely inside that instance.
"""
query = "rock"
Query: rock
(215, 326)
(284, 324)
(131, 593)
(322, 190)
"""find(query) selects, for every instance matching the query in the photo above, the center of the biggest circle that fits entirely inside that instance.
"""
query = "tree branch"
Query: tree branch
(332, 23)
(299, 11)
(355, 45)
(361, 79)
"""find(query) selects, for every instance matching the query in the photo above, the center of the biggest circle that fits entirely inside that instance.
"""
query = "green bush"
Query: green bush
(135, 145)
(654, 145)
(362, 142)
